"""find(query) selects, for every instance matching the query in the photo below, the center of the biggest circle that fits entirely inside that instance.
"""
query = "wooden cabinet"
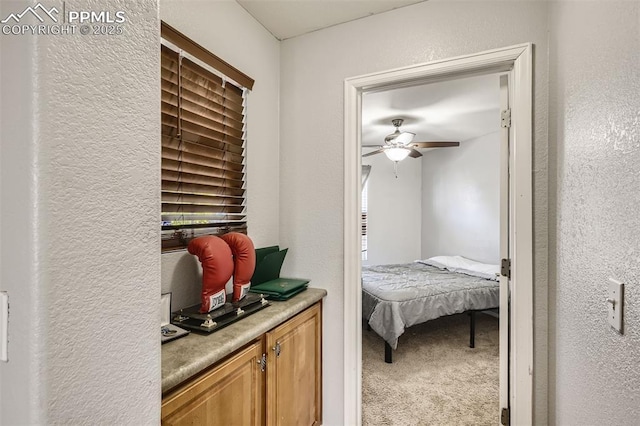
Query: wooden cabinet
(237, 391)
(294, 371)
(232, 393)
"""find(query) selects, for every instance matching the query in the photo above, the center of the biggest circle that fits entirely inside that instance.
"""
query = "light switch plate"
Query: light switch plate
(615, 302)
(4, 325)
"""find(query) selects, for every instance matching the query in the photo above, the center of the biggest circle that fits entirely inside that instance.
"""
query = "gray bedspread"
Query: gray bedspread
(398, 296)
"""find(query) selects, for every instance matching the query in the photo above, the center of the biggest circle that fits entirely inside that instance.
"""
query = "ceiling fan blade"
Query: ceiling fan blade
(377, 151)
(414, 153)
(433, 144)
(372, 146)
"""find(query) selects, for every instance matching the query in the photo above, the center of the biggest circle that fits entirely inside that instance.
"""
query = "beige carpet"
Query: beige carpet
(435, 378)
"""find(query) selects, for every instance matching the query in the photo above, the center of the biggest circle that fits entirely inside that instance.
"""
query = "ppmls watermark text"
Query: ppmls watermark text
(43, 20)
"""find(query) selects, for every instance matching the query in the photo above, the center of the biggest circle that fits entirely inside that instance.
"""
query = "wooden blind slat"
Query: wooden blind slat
(184, 167)
(228, 119)
(222, 110)
(364, 224)
(200, 179)
(168, 77)
(216, 119)
(178, 196)
(183, 154)
(204, 131)
(232, 111)
(170, 130)
(198, 169)
(200, 160)
(200, 208)
(172, 239)
(194, 102)
(200, 149)
(211, 81)
(168, 52)
(209, 124)
(200, 133)
(219, 96)
(194, 188)
(193, 219)
(207, 93)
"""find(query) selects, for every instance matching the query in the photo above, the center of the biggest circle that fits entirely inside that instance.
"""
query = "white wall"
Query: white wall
(314, 67)
(80, 207)
(227, 30)
(461, 199)
(394, 222)
(20, 394)
(595, 132)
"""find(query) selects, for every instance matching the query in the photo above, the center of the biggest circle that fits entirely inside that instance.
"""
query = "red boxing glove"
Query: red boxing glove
(244, 258)
(217, 267)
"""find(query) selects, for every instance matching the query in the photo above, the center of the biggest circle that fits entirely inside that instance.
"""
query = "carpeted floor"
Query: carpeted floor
(435, 378)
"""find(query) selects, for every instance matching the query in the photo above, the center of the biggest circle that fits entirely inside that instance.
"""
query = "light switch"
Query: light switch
(615, 302)
(4, 325)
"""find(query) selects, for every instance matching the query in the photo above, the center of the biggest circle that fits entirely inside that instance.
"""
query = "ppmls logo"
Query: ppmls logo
(51, 22)
(51, 13)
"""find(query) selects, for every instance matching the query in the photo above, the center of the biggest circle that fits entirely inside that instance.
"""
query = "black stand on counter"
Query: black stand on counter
(215, 320)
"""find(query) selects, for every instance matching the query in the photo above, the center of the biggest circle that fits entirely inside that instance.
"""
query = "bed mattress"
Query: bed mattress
(395, 297)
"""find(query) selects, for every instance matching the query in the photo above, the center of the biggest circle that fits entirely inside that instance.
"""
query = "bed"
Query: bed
(395, 297)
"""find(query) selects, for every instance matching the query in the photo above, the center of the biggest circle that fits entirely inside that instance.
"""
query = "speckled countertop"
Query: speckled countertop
(187, 356)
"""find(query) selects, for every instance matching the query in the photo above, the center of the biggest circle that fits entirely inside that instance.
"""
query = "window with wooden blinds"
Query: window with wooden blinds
(203, 138)
(364, 220)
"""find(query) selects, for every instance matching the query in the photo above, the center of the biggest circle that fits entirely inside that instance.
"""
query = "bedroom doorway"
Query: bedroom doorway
(448, 198)
(516, 349)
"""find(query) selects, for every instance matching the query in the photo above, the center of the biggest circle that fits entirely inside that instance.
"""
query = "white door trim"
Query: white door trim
(505, 238)
(517, 60)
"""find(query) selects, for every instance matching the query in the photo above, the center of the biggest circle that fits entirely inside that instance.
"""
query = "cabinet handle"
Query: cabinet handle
(276, 349)
(262, 362)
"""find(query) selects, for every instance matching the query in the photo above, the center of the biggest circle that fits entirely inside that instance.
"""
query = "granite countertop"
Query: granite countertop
(187, 356)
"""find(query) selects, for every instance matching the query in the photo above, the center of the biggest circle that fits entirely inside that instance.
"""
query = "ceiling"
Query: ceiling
(290, 18)
(456, 110)
(450, 111)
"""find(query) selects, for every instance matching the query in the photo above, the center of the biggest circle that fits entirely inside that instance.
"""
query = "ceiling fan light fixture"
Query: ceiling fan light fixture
(404, 138)
(397, 154)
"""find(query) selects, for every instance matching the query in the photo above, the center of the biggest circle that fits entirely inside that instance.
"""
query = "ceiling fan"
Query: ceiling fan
(398, 145)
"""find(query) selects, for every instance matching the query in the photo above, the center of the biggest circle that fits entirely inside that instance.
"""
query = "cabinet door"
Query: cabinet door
(230, 394)
(294, 370)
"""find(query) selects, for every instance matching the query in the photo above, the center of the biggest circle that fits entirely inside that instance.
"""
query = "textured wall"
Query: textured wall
(595, 132)
(461, 199)
(227, 30)
(91, 208)
(98, 154)
(394, 218)
(314, 67)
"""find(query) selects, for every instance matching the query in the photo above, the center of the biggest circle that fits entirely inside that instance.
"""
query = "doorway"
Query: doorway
(516, 359)
(442, 204)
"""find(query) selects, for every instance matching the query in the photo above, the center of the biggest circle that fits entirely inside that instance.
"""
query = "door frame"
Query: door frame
(518, 62)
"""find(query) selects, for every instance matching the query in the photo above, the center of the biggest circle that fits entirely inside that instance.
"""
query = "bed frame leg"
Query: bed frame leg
(472, 329)
(387, 353)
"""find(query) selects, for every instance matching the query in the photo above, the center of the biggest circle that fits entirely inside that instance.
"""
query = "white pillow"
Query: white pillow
(465, 266)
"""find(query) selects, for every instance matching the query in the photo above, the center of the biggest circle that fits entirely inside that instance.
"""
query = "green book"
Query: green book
(269, 262)
(280, 287)
(262, 252)
(285, 296)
